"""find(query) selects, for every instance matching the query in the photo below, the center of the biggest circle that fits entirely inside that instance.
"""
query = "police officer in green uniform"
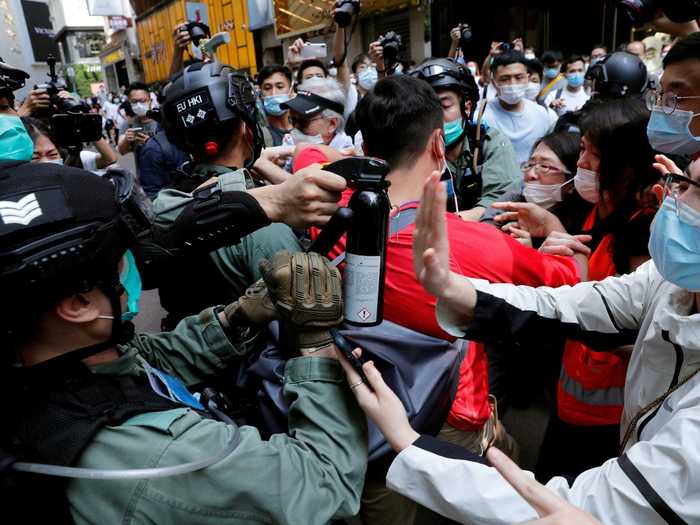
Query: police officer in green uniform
(480, 160)
(100, 426)
(210, 112)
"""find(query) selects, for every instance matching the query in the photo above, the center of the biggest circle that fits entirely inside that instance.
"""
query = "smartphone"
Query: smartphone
(313, 51)
(136, 130)
(346, 348)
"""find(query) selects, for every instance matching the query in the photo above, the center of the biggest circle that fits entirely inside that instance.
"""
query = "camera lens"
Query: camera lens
(344, 12)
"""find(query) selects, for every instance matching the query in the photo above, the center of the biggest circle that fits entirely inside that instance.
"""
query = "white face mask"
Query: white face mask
(533, 89)
(529, 55)
(54, 161)
(140, 109)
(300, 137)
(587, 185)
(512, 93)
(544, 195)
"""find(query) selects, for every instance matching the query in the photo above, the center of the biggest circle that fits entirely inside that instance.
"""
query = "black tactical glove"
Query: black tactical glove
(307, 293)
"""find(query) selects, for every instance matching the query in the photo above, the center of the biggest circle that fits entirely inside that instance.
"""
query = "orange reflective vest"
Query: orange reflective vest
(591, 384)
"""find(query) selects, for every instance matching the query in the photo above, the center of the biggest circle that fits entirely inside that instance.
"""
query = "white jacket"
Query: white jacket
(657, 478)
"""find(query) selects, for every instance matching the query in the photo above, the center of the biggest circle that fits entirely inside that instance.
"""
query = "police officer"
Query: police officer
(481, 162)
(210, 112)
(86, 399)
(617, 75)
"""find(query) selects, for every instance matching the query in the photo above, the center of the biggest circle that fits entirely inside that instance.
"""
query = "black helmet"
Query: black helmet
(201, 104)
(446, 73)
(11, 78)
(63, 231)
(618, 74)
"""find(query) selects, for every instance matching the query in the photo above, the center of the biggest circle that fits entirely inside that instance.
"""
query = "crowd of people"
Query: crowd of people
(543, 239)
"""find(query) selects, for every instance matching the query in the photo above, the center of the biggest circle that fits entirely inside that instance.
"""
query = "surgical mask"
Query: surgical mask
(671, 133)
(674, 244)
(300, 137)
(533, 89)
(472, 70)
(368, 78)
(15, 142)
(575, 80)
(587, 185)
(272, 104)
(453, 130)
(551, 72)
(594, 61)
(130, 279)
(55, 161)
(544, 195)
(512, 93)
(530, 56)
(140, 109)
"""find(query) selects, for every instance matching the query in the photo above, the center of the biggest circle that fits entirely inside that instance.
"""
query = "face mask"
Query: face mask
(472, 70)
(586, 184)
(530, 56)
(333, 71)
(551, 72)
(674, 244)
(272, 104)
(594, 61)
(453, 130)
(533, 89)
(512, 93)
(671, 133)
(544, 195)
(130, 279)
(575, 79)
(15, 142)
(300, 137)
(140, 109)
(368, 78)
(56, 161)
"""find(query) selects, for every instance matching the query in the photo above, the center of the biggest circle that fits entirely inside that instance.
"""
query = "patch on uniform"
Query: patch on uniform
(42, 205)
(194, 108)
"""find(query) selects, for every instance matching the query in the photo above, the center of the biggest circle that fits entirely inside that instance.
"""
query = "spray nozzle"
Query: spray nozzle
(362, 172)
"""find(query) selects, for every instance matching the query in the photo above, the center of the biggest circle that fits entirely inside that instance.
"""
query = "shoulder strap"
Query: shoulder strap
(559, 93)
(398, 222)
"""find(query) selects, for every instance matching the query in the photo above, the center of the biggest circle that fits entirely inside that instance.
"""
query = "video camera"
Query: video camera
(345, 10)
(391, 45)
(11, 78)
(70, 121)
(642, 11)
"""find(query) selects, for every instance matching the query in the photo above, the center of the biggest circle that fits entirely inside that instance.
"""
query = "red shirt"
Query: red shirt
(476, 250)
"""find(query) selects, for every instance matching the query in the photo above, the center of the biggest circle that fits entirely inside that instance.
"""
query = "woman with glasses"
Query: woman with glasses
(615, 175)
(548, 182)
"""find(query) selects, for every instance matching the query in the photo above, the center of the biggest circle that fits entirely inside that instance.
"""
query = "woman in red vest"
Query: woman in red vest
(614, 173)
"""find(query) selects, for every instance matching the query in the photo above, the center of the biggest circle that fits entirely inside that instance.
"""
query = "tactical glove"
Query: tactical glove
(307, 293)
(255, 307)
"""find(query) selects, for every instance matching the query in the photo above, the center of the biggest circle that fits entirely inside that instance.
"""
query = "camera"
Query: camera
(70, 121)
(642, 11)
(505, 47)
(197, 31)
(11, 78)
(465, 34)
(345, 10)
(52, 87)
(391, 45)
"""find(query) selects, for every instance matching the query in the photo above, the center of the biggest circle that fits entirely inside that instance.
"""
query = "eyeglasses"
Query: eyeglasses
(675, 185)
(302, 122)
(542, 169)
(668, 102)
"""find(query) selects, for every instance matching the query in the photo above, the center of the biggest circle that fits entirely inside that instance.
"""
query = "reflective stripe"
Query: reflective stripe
(596, 397)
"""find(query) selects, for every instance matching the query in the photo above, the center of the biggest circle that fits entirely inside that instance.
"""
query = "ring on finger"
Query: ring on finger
(353, 387)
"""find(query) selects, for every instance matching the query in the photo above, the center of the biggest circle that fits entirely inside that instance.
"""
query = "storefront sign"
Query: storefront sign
(115, 56)
(119, 23)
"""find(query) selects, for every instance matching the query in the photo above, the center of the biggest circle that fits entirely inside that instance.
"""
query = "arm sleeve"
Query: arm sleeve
(653, 482)
(196, 349)
(499, 171)
(600, 314)
(311, 476)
